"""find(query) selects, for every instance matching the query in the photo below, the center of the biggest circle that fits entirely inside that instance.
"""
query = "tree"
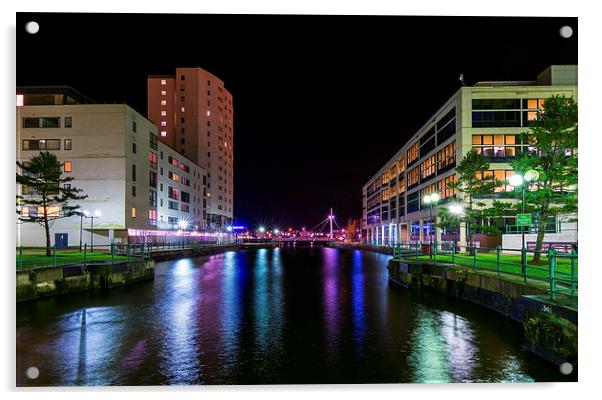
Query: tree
(472, 182)
(554, 139)
(44, 196)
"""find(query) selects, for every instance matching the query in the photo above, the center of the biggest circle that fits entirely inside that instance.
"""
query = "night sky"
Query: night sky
(320, 102)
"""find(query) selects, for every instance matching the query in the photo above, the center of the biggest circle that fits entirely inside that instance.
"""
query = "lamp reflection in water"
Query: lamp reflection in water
(179, 361)
(358, 306)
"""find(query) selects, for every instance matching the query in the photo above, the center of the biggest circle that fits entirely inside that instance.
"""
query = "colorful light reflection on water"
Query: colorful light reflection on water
(290, 315)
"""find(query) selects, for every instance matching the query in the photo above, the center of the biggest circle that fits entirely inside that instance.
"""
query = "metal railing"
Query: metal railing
(557, 269)
(36, 257)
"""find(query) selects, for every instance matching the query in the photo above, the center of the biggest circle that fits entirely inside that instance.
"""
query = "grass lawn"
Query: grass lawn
(38, 259)
(508, 263)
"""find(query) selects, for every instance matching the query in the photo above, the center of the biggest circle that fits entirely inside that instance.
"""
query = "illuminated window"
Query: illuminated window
(413, 176)
(19, 100)
(163, 92)
(51, 211)
(163, 133)
(163, 113)
(532, 116)
(163, 102)
(412, 153)
(208, 113)
(25, 211)
(163, 123)
(67, 166)
(133, 212)
(152, 217)
(183, 109)
(163, 82)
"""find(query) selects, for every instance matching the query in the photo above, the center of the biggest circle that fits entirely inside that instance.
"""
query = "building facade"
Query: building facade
(488, 117)
(141, 187)
(194, 114)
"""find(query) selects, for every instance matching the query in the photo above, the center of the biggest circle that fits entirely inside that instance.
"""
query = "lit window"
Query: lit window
(51, 211)
(68, 144)
(133, 212)
(183, 109)
(19, 100)
(25, 211)
(163, 102)
(67, 166)
(532, 115)
(532, 103)
(163, 92)
(163, 82)
(163, 133)
(208, 113)
(163, 113)
(163, 123)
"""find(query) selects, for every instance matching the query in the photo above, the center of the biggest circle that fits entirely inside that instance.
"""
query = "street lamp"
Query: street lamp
(87, 214)
(518, 180)
(429, 200)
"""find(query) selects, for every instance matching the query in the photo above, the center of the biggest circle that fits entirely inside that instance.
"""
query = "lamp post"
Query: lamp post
(519, 180)
(183, 224)
(81, 227)
(87, 214)
(457, 210)
(429, 200)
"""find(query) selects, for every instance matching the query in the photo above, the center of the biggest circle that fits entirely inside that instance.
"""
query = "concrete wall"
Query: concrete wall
(51, 281)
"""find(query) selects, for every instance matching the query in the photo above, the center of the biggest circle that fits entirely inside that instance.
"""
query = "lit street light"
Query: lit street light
(429, 200)
(457, 209)
(518, 180)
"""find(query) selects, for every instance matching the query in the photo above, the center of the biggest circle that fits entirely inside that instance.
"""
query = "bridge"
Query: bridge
(314, 235)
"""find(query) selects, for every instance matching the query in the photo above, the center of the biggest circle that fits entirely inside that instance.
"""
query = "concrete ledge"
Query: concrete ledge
(52, 281)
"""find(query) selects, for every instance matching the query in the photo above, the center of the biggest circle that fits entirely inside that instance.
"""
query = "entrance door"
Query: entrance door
(61, 240)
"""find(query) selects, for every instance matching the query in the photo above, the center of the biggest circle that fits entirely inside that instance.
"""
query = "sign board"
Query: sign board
(523, 219)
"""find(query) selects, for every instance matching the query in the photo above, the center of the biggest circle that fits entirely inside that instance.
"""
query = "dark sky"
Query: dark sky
(320, 102)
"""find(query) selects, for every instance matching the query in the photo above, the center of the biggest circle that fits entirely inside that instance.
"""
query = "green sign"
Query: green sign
(523, 220)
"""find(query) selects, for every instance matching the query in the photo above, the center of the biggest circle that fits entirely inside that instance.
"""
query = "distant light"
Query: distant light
(435, 197)
(276, 231)
(182, 224)
(229, 229)
(516, 180)
(261, 229)
(19, 100)
(163, 133)
(531, 175)
(456, 209)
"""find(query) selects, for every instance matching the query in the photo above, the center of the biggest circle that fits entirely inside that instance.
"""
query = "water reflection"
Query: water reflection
(179, 350)
(268, 316)
(358, 306)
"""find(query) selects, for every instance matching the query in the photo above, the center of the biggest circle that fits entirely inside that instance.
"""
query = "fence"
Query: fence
(557, 269)
(35, 257)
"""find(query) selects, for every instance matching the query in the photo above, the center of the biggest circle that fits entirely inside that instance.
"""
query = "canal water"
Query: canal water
(269, 316)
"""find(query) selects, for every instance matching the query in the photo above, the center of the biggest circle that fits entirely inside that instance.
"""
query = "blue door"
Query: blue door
(61, 240)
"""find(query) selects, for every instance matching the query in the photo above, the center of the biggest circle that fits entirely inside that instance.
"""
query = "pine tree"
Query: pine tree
(43, 188)
(554, 136)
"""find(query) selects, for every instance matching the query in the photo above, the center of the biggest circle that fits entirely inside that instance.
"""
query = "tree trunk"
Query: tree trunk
(47, 229)
(541, 231)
